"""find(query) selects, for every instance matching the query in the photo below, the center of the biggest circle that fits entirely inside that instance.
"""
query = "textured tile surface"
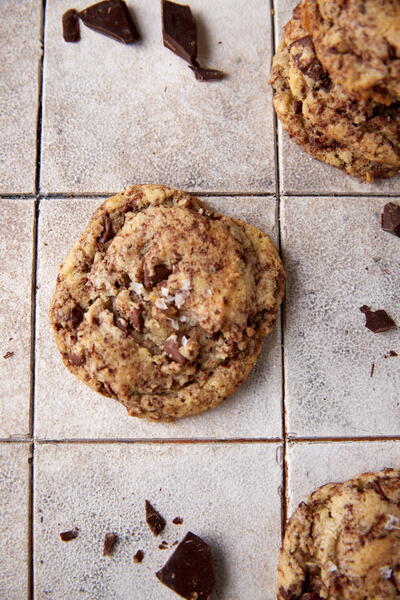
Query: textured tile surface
(254, 411)
(314, 464)
(302, 174)
(14, 525)
(101, 488)
(116, 115)
(19, 74)
(339, 259)
(16, 217)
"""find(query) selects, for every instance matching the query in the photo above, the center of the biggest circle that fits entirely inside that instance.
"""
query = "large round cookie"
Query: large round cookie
(358, 136)
(162, 304)
(344, 542)
(358, 42)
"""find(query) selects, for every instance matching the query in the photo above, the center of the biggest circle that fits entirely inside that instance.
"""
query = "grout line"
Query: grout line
(86, 195)
(322, 440)
(17, 196)
(376, 195)
(30, 525)
(40, 101)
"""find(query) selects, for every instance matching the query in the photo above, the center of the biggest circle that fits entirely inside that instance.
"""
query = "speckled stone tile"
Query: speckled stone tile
(19, 76)
(101, 488)
(14, 522)
(338, 259)
(302, 174)
(311, 465)
(116, 115)
(17, 218)
(66, 408)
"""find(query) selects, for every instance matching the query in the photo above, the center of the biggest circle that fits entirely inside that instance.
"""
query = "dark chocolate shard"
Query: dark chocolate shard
(136, 318)
(189, 571)
(138, 556)
(8, 355)
(110, 539)
(113, 19)
(207, 74)
(67, 536)
(70, 24)
(377, 321)
(179, 30)
(108, 232)
(177, 521)
(171, 347)
(154, 520)
(390, 219)
(160, 273)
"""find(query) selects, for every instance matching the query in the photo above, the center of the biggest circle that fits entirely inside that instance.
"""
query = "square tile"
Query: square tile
(311, 465)
(253, 412)
(14, 522)
(16, 241)
(19, 93)
(338, 259)
(302, 174)
(116, 115)
(99, 488)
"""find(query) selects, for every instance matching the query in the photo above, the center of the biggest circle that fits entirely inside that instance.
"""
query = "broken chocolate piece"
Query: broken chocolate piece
(138, 556)
(390, 219)
(179, 30)
(171, 347)
(108, 232)
(113, 19)
(70, 24)
(110, 539)
(67, 536)
(177, 521)
(160, 273)
(154, 520)
(377, 321)
(8, 355)
(207, 74)
(189, 571)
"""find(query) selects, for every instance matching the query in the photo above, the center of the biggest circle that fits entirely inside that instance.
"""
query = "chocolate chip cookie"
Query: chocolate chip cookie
(344, 542)
(162, 303)
(358, 42)
(360, 137)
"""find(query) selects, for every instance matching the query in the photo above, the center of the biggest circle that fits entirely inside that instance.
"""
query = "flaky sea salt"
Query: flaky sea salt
(186, 285)
(137, 287)
(184, 340)
(331, 566)
(183, 319)
(160, 303)
(386, 572)
(164, 292)
(180, 298)
(392, 522)
(175, 324)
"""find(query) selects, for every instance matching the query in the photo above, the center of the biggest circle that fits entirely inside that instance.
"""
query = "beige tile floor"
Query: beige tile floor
(310, 412)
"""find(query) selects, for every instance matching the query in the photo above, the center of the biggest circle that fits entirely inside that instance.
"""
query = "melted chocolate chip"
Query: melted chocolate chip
(171, 347)
(207, 74)
(110, 539)
(160, 273)
(67, 536)
(138, 556)
(377, 321)
(70, 24)
(76, 359)
(297, 107)
(108, 232)
(390, 220)
(179, 31)
(111, 18)
(154, 520)
(76, 316)
(189, 571)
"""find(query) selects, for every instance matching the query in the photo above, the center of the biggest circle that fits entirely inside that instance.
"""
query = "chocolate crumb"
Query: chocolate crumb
(154, 520)
(391, 354)
(108, 232)
(377, 321)
(110, 539)
(163, 546)
(67, 536)
(138, 556)
(372, 369)
(189, 571)
(177, 521)
(70, 25)
(390, 218)
(8, 355)
(203, 74)
(113, 19)
(175, 543)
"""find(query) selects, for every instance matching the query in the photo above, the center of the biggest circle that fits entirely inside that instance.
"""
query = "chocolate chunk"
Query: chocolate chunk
(177, 521)
(111, 18)
(136, 318)
(207, 74)
(76, 359)
(160, 273)
(67, 536)
(138, 556)
(390, 219)
(189, 571)
(70, 24)
(171, 347)
(108, 232)
(179, 30)
(310, 596)
(8, 355)
(377, 321)
(303, 55)
(76, 316)
(297, 107)
(154, 520)
(110, 539)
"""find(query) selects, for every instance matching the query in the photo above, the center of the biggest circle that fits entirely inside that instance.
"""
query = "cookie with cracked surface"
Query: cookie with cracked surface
(162, 303)
(359, 136)
(344, 542)
(358, 42)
